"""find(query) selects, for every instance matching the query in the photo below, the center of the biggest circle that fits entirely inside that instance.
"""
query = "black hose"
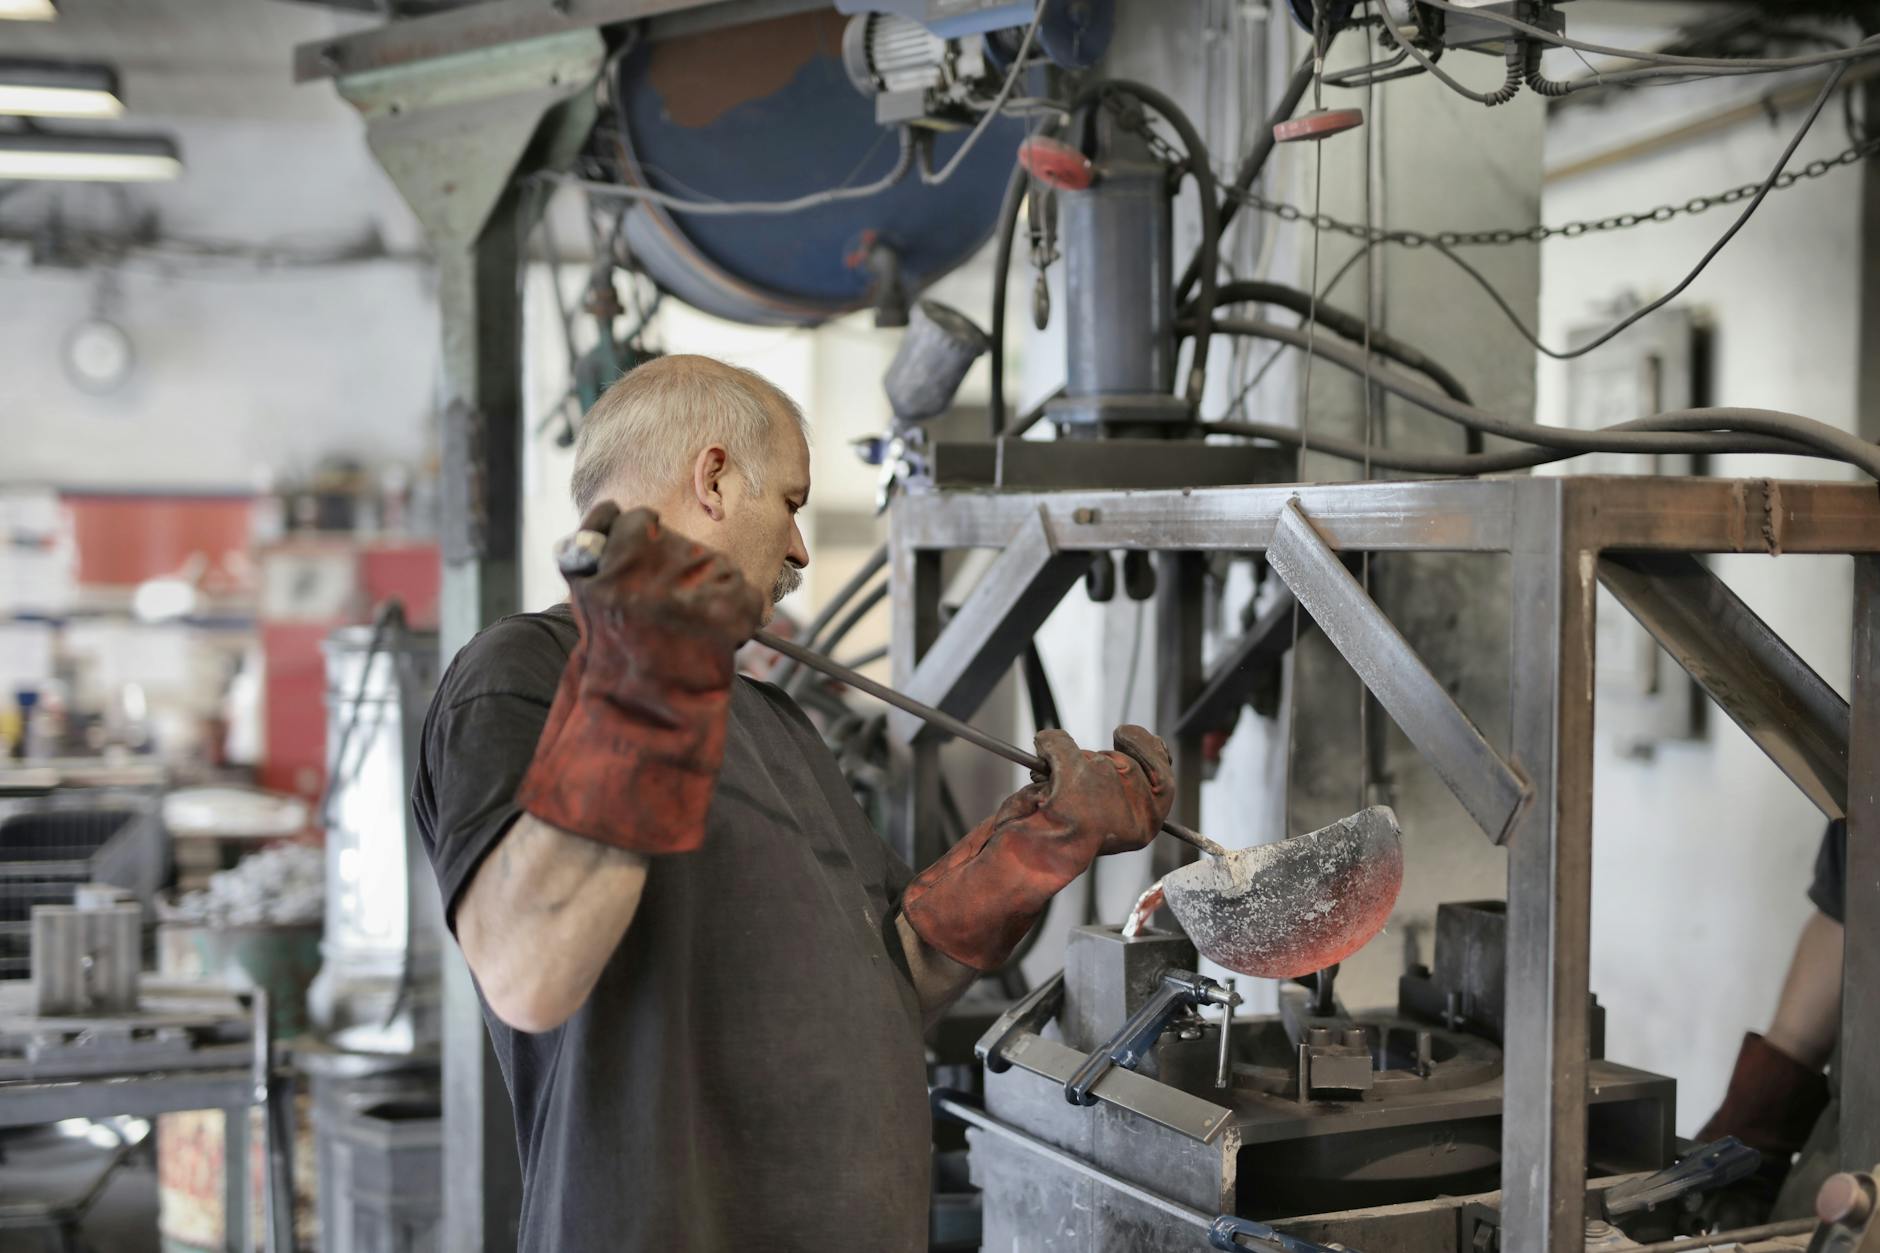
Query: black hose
(1539, 82)
(1034, 415)
(1001, 264)
(1352, 327)
(1456, 463)
(1514, 61)
(827, 646)
(844, 594)
(1201, 169)
(1659, 433)
(1253, 163)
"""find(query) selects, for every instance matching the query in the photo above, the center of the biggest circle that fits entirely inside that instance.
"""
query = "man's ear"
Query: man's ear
(708, 473)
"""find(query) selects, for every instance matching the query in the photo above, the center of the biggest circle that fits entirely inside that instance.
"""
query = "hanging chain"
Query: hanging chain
(1538, 232)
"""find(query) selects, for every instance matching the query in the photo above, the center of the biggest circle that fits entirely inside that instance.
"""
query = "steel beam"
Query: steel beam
(1179, 618)
(1626, 514)
(456, 133)
(1756, 678)
(914, 579)
(1860, 971)
(1485, 784)
(1549, 878)
(473, 28)
(1008, 604)
(1233, 675)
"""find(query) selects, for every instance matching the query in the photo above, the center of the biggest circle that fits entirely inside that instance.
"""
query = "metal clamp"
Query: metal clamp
(1227, 1228)
(1179, 990)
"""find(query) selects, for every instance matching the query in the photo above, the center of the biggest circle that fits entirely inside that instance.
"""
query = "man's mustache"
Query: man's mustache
(788, 580)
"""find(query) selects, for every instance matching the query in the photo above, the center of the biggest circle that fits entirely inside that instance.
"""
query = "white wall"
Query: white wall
(1702, 855)
(242, 371)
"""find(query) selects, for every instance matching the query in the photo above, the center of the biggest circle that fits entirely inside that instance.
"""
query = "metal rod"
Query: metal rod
(1730, 1239)
(992, 1126)
(1224, 1063)
(1492, 792)
(948, 723)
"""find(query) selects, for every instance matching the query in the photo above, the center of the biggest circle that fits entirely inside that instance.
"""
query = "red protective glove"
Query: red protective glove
(1772, 1102)
(635, 737)
(980, 898)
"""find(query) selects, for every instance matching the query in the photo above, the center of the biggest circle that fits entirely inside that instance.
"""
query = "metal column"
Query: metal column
(1179, 677)
(456, 133)
(915, 577)
(1860, 1012)
(1549, 877)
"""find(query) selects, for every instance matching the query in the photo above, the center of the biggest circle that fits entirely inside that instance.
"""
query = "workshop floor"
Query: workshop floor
(42, 1166)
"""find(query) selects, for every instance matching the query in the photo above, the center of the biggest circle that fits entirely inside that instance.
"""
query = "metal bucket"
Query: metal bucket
(379, 987)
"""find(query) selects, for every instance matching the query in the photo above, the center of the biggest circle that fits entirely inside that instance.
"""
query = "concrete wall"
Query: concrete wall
(1704, 851)
(243, 370)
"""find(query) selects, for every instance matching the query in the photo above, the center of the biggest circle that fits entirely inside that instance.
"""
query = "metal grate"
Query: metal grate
(45, 854)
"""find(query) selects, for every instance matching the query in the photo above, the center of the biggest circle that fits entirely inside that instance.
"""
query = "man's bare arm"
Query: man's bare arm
(542, 916)
(1808, 1017)
(938, 979)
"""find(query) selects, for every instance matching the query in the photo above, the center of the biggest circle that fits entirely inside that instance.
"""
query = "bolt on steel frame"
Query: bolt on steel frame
(1562, 536)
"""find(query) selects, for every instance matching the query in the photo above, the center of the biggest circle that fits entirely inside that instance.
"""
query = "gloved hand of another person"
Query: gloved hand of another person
(1772, 1101)
(980, 898)
(636, 733)
(1771, 1105)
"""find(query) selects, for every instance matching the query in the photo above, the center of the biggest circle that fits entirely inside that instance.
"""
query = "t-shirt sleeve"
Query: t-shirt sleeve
(1829, 890)
(479, 738)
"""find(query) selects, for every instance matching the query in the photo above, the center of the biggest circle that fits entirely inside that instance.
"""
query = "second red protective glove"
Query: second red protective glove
(631, 750)
(977, 901)
(1772, 1101)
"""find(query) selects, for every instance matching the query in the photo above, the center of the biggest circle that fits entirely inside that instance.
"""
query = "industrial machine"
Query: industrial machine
(782, 169)
(1289, 1121)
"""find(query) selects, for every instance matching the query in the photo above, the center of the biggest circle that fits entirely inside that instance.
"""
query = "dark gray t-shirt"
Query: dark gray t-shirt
(748, 1072)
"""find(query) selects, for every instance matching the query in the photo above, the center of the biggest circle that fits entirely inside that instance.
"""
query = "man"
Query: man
(704, 974)
(1779, 1102)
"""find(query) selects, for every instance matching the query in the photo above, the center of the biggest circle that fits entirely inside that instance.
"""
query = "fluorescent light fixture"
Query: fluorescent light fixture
(87, 158)
(54, 89)
(27, 11)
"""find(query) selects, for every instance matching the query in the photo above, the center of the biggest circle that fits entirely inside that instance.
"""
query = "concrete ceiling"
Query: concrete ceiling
(191, 58)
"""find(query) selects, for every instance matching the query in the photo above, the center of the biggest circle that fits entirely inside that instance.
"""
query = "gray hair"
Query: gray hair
(649, 425)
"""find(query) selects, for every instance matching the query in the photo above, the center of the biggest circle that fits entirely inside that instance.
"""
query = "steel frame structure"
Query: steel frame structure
(1562, 535)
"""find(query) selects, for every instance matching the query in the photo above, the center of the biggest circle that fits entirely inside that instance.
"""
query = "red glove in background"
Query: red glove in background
(1772, 1102)
(635, 737)
(980, 898)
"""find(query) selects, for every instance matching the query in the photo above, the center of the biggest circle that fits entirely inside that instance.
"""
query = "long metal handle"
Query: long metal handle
(948, 723)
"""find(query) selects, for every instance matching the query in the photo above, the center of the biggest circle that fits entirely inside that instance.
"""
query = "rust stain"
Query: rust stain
(700, 78)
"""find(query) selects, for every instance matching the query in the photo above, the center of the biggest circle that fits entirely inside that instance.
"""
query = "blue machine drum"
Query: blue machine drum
(765, 111)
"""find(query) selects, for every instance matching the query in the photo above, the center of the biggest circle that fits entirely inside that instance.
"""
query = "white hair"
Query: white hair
(646, 429)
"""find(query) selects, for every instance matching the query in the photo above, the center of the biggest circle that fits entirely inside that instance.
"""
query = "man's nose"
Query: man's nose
(798, 555)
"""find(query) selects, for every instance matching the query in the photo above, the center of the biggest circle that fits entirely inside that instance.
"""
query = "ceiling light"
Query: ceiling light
(27, 10)
(88, 158)
(53, 89)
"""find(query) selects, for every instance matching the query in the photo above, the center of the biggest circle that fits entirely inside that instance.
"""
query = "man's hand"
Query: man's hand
(636, 734)
(977, 901)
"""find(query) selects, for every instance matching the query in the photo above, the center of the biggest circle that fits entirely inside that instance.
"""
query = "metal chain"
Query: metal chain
(1538, 232)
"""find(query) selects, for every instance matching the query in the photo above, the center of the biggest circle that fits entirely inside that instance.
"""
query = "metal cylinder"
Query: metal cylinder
(379, 984)
(937, 349)
(1119, 292)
